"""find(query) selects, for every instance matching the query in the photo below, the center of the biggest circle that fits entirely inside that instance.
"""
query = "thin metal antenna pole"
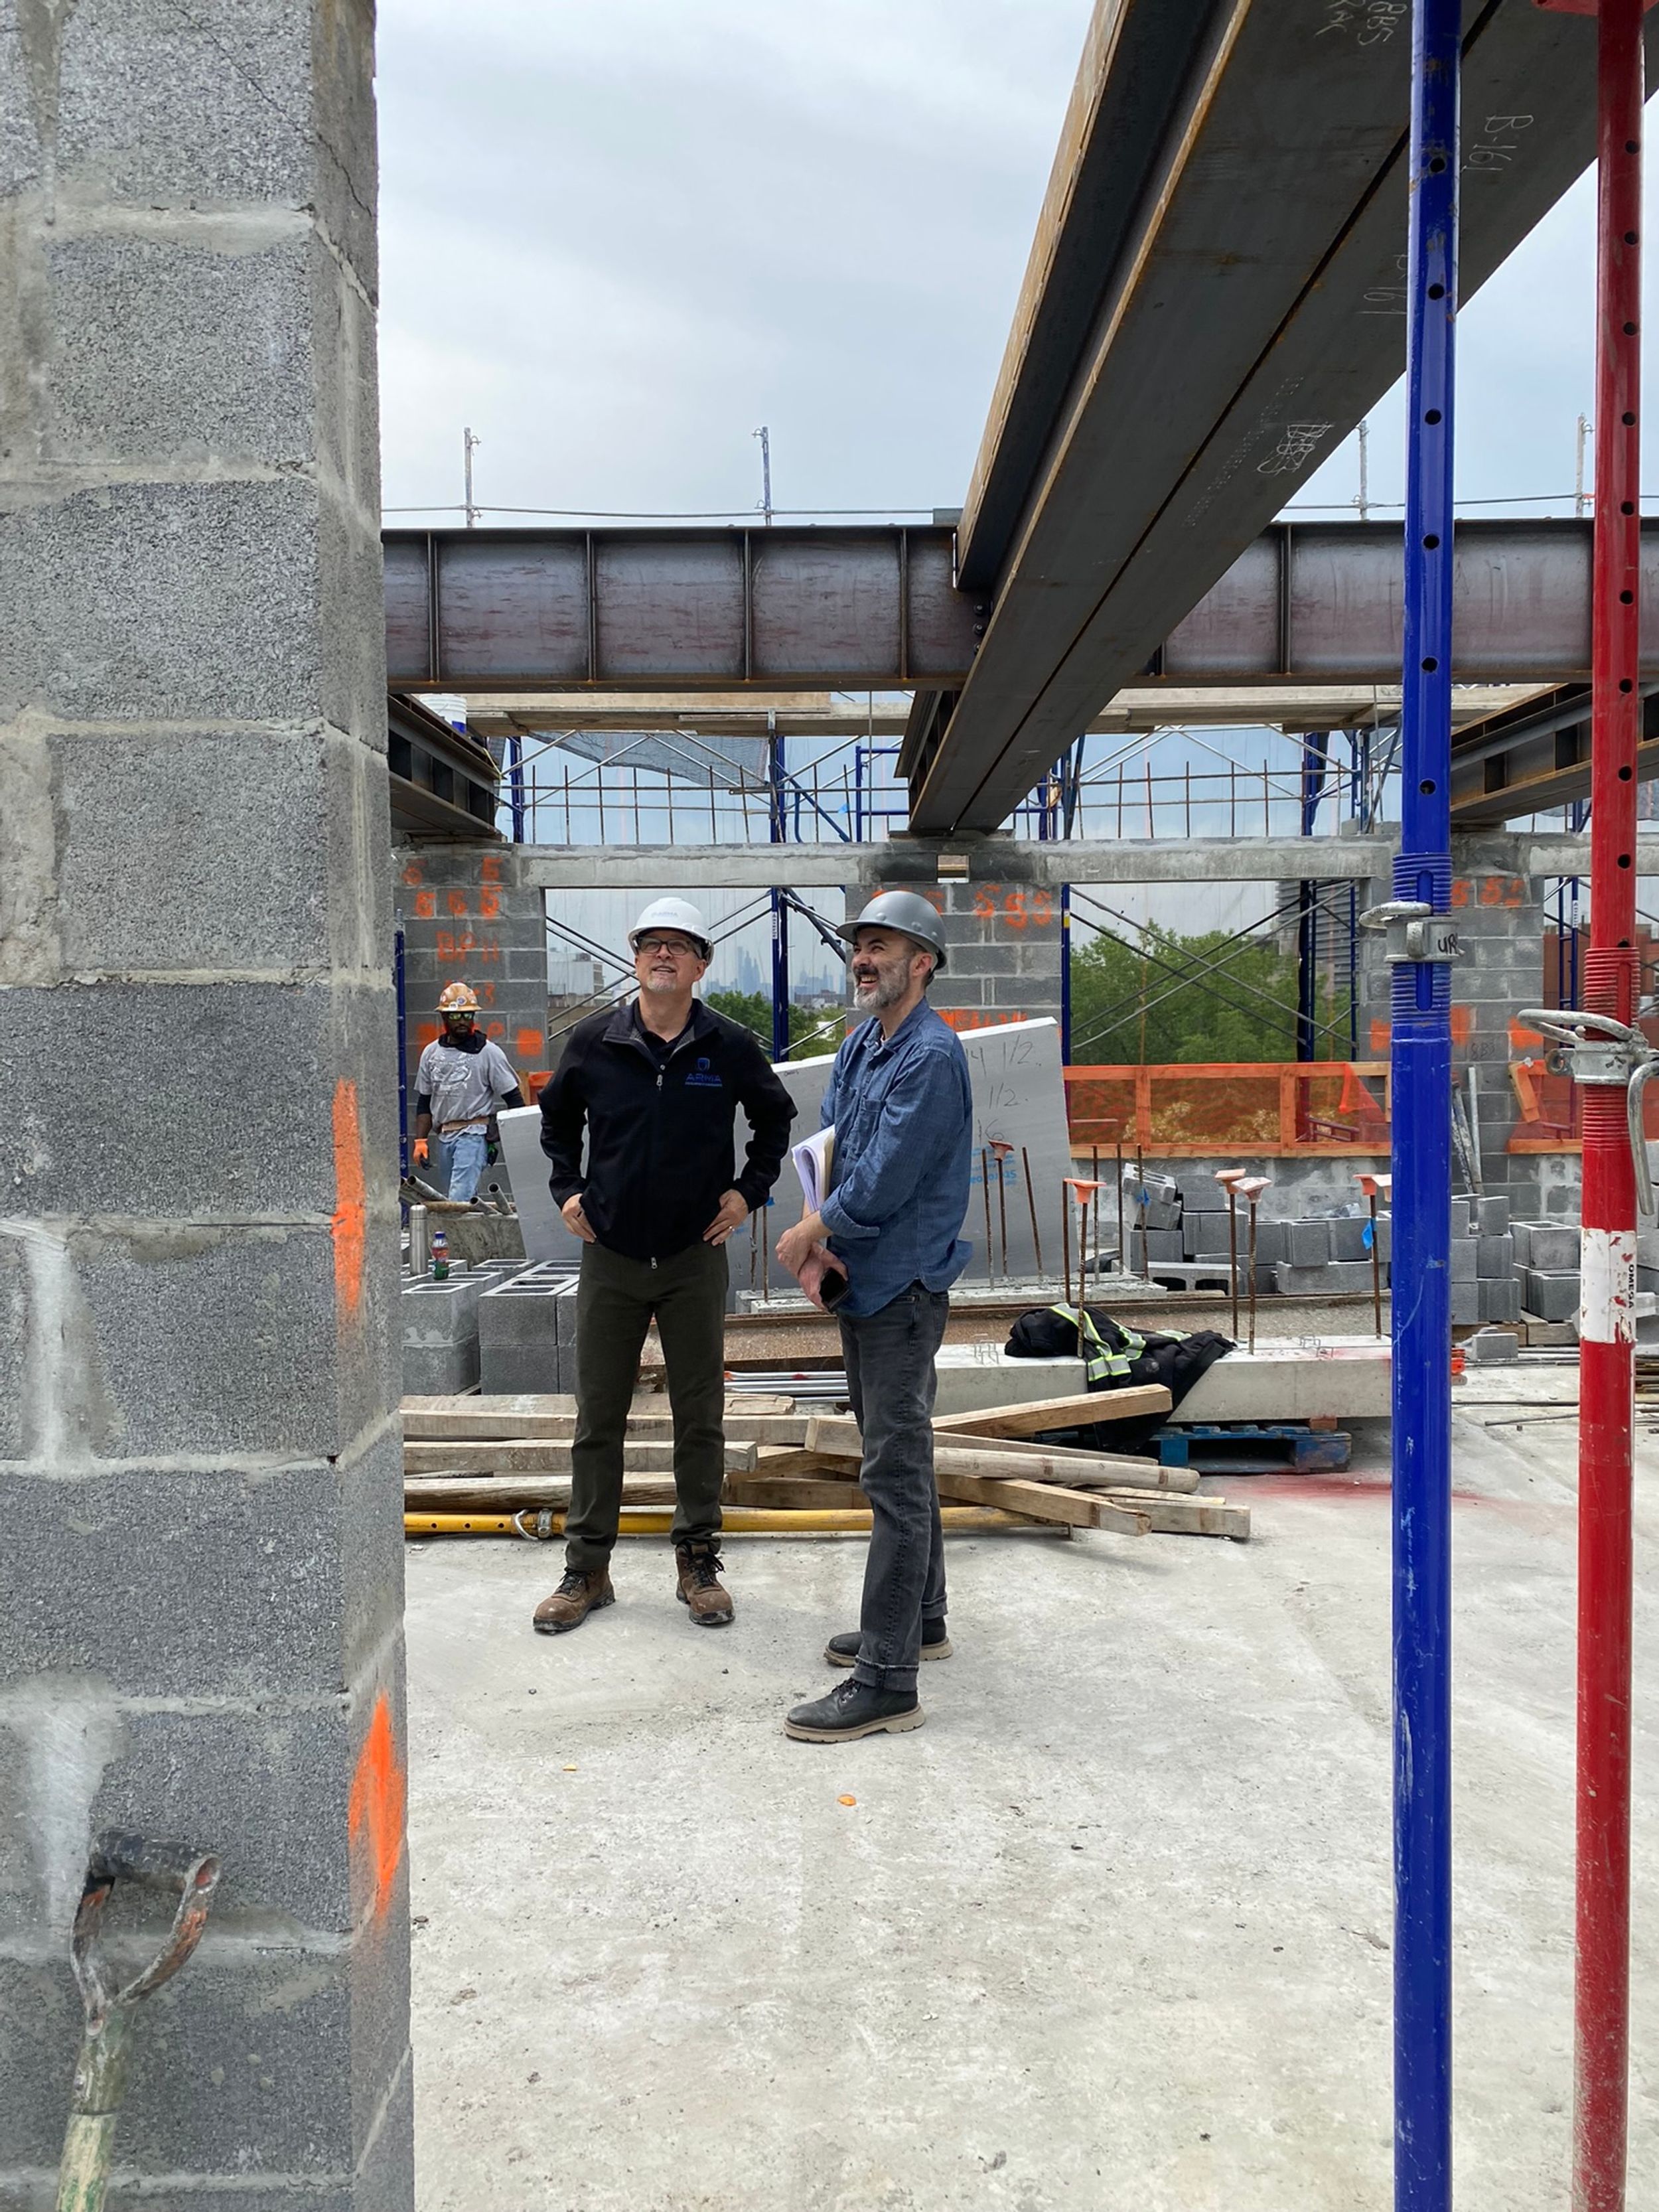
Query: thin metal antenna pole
(1578, 472)
(469, 447)
(1610, 983)
(1421, 1057)
(765, 436)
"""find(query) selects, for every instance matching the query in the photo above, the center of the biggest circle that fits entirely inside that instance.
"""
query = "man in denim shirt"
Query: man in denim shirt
(902, 1112)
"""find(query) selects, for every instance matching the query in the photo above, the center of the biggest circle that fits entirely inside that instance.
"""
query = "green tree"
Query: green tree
(1188, 998)
(810, 1035)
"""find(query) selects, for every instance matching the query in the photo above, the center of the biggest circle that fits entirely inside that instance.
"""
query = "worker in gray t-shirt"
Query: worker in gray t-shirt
(462, 1082)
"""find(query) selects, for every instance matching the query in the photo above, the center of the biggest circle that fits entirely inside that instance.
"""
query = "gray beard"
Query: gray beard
(886, 990)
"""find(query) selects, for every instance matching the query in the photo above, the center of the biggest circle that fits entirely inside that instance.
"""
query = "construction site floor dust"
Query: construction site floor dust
(1112, 1930)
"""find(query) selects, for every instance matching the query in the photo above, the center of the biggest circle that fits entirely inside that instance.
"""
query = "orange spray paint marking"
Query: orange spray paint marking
(531, 1044)
(456, 901)
(426, 905)
(379, 1791)
(350, 1209)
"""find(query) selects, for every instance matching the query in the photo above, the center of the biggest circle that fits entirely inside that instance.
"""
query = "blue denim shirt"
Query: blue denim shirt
(903, 1118)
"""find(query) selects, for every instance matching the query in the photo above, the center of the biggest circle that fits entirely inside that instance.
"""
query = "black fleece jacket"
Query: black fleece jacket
(660, 1148)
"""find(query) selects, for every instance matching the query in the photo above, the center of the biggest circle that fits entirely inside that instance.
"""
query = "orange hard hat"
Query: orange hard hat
(458, 998)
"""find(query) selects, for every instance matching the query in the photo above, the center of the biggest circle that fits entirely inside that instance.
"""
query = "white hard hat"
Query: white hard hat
(672, 913)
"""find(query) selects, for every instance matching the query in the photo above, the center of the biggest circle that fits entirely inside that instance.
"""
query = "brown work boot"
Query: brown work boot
(699, 1568)
(577, 1595)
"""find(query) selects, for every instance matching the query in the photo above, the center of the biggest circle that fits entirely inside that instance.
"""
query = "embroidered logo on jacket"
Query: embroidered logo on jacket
(702, 1080)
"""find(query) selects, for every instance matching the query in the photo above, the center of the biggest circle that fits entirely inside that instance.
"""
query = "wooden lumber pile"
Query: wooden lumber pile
(498, 1455)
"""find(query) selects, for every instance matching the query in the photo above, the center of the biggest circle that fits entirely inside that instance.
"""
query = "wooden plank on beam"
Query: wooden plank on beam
(542, 1456)
(1071, 1413)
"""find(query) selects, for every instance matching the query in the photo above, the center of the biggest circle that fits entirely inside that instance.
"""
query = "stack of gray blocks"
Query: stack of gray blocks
(1547, 1259)
(1484, 1284)
(1328, 1253)
(440, 1328)
(527, 1331)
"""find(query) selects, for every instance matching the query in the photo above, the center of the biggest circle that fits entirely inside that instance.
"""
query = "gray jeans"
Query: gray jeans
(890, 1379)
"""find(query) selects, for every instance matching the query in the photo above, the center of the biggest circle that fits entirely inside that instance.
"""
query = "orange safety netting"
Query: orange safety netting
(1272, 1106)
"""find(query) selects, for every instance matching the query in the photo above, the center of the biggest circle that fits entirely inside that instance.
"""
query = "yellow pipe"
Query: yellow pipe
(736, 1520)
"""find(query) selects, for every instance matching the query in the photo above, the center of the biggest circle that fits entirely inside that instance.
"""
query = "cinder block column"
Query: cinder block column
(1500, 923)
(1004, 946)
(468, 917)
(201, 1572)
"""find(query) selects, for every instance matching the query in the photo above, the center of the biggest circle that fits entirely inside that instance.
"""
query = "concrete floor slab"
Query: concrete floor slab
(1111, 1934)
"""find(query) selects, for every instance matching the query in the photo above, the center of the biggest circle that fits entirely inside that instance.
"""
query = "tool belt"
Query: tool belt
(454, 1128)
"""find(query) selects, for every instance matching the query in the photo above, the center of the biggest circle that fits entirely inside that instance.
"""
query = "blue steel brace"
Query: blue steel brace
(1421, 1056)
(776, 780)
(1065, 975)
(400, 986)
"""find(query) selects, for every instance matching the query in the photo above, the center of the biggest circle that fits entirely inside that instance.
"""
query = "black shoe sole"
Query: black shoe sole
(891, 1724)
(564, 1627)
(707, 1619)
(940, 1650)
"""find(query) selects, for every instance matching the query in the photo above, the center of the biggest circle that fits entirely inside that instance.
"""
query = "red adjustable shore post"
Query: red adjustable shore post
(1611, 1127)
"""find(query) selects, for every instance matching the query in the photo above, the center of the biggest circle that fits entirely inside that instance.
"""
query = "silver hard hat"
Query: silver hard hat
(909, 914)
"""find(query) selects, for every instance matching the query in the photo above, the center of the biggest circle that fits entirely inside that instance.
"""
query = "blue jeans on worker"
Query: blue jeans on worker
(460, 1161)
(891, 1381)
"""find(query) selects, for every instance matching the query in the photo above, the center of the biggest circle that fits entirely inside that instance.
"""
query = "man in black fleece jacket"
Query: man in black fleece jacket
(655, 1086)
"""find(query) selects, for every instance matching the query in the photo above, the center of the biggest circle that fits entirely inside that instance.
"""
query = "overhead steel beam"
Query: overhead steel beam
(699, 609)
(1306, 603)
(1529, 759)
(1252, 311)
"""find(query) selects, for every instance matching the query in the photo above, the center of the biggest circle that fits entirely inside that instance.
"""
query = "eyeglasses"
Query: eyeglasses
(679, 946)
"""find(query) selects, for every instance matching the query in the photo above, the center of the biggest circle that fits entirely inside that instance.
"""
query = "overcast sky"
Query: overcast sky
(618, 234)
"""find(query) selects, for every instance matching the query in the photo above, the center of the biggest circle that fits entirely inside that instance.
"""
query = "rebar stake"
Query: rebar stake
(1030, 1199)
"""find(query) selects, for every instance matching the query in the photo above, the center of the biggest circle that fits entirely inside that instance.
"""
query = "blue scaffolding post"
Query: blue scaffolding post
(1065, 975)
(400, 986)
(1421, 944)
(777, 795)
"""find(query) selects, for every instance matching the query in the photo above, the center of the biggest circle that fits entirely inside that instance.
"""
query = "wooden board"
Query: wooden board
(1061, 1413)
(971, 1454)
(1085, 1470)
(1189, 1517)
(1077, 1509)
(471, 1426)
(506, 1493)
(781, 1491)
(553, 1414)
(519, 1456)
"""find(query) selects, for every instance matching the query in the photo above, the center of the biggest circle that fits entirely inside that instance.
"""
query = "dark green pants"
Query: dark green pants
(616, 1301)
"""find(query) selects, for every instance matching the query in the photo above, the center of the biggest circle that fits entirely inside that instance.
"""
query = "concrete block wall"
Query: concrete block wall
(468, 917)
(201, 1581)
(1003, 942)
(1500, 922)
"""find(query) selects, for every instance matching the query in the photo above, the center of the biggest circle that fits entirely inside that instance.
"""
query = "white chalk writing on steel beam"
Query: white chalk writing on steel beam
(1495, 147)
(1371, 22)
(1297, 444)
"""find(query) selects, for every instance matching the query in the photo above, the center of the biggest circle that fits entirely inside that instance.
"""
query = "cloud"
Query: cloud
(617, 234)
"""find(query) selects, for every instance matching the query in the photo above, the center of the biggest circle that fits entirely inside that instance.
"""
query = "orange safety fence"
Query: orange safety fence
(1218, 1108)
(1548, 1115)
